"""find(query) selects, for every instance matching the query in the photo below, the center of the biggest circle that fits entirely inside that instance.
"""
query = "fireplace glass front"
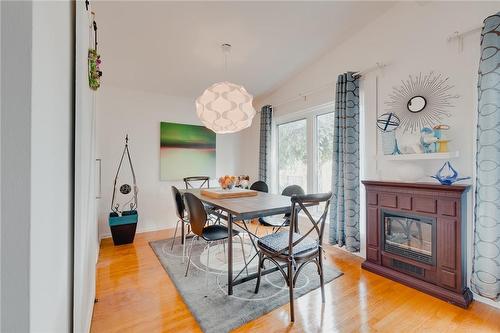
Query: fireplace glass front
(410, 236)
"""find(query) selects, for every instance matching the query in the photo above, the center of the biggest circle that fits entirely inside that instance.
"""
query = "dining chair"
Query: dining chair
(202, 182)
(279, 221)
(260, 186)
(196, 182)
(296, 249)
(180, 211)
(210, 234)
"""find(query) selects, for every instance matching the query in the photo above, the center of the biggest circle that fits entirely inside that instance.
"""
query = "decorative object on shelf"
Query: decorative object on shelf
(123, 217)
(186, 150)
(428, 140)
(225, 107)
(440, 133)
(447, 175)
(243, 181)
(227, 182)
(389, 143)
(421, 101)
(387, 124)
(415, 148)
(94, 62)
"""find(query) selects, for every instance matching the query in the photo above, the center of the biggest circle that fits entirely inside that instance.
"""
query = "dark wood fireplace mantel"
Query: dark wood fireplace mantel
(444, 206)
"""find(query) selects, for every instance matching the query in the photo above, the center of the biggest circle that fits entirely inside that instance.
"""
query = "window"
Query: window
(292, 154)
(324, 151)
(303, 150)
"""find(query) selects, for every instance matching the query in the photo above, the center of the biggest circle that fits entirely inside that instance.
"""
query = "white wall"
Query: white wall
(0, 173)
(411, 38)
(51, 229)
(15, 188)
(36, 166)
(138, 114)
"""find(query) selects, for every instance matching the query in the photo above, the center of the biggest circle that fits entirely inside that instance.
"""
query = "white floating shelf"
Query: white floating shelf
(429, 156)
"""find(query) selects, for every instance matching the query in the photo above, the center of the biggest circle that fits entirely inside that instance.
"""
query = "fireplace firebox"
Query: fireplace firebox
(409, 235)
(416, 235)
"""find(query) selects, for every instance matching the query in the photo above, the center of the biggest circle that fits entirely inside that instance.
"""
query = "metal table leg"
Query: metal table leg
(182, 234)
(230, 255)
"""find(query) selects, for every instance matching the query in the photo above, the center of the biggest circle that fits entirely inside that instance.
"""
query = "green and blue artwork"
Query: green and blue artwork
(186, 150)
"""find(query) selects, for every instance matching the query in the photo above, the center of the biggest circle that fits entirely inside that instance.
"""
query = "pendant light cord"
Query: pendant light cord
(225, 64)
(226, 48)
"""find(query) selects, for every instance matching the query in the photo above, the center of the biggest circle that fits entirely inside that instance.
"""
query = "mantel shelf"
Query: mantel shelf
(413, 157)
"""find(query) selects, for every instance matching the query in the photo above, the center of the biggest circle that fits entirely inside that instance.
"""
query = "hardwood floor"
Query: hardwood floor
(135, 294)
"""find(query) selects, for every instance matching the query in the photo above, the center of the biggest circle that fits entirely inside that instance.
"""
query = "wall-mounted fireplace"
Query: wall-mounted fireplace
(411, 236)
(415, 235)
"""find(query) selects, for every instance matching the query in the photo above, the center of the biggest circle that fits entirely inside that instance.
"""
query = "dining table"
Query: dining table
(243, 210)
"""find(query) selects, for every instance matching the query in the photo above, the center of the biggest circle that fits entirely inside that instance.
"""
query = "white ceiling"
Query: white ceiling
(174, 47)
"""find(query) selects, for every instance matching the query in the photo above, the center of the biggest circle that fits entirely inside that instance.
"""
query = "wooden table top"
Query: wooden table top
(263, 204)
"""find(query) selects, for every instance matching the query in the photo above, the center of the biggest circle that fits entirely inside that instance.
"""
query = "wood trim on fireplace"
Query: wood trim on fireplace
(446, 204)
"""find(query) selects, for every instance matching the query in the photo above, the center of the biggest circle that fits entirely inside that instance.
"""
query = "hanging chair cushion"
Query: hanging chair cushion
(127, 217)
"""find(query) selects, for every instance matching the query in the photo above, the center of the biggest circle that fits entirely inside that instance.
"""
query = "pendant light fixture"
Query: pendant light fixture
(225, 107)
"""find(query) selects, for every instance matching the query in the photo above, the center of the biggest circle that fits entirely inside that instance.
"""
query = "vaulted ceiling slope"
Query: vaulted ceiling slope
(174, 47)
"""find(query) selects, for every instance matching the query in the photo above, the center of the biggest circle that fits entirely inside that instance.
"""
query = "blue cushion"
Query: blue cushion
(279, 240)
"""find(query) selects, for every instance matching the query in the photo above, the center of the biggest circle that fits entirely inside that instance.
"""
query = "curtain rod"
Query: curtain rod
(304, 95)
(377, 66)
(460, 34)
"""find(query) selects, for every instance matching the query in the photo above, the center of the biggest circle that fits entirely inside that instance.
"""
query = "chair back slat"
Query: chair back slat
(299, 203)
(179, 203)
(197, 182)
(197, 213)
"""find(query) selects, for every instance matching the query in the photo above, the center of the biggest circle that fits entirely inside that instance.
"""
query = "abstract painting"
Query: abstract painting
(186, 150)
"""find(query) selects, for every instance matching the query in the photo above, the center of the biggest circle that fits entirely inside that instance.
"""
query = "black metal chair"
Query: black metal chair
(277, 221)
(202, 182)
(210, 233)
(197, 182)
(294, 249)
(260, 186)
(180, 210)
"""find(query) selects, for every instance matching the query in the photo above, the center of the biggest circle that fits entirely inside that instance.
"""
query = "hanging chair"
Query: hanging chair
(123, 217)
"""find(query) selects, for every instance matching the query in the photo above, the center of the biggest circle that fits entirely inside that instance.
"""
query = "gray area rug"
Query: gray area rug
(206, 294)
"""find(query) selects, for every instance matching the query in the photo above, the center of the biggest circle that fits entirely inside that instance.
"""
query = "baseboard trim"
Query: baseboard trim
(462, 300)
(139, 231)
(90, 314)
(485, 300)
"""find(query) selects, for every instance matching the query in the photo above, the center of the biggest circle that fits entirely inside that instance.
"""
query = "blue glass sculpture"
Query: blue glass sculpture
(448, 176)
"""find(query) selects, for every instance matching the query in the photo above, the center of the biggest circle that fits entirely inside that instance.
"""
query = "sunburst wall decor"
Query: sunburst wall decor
(421, 101)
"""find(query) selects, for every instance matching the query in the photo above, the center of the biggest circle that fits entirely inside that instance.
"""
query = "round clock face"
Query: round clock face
(125, 189)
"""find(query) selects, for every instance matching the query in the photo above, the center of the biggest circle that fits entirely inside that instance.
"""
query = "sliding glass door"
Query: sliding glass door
(324, 151)
(304, 145)
(292, 154)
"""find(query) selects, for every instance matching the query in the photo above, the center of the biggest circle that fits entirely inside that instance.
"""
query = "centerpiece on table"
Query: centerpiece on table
(227, 182)
(243, 182)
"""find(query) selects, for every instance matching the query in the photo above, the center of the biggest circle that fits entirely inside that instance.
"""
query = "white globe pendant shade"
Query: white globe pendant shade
(225, 107)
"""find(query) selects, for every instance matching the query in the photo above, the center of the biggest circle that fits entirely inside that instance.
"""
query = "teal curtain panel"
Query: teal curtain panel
(266, 118)
(344, 215)
(486, 262)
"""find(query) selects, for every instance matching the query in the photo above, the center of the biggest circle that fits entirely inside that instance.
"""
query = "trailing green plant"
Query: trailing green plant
(94, 60)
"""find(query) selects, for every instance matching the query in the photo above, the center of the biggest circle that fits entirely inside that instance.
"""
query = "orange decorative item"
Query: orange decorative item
(227, 182)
